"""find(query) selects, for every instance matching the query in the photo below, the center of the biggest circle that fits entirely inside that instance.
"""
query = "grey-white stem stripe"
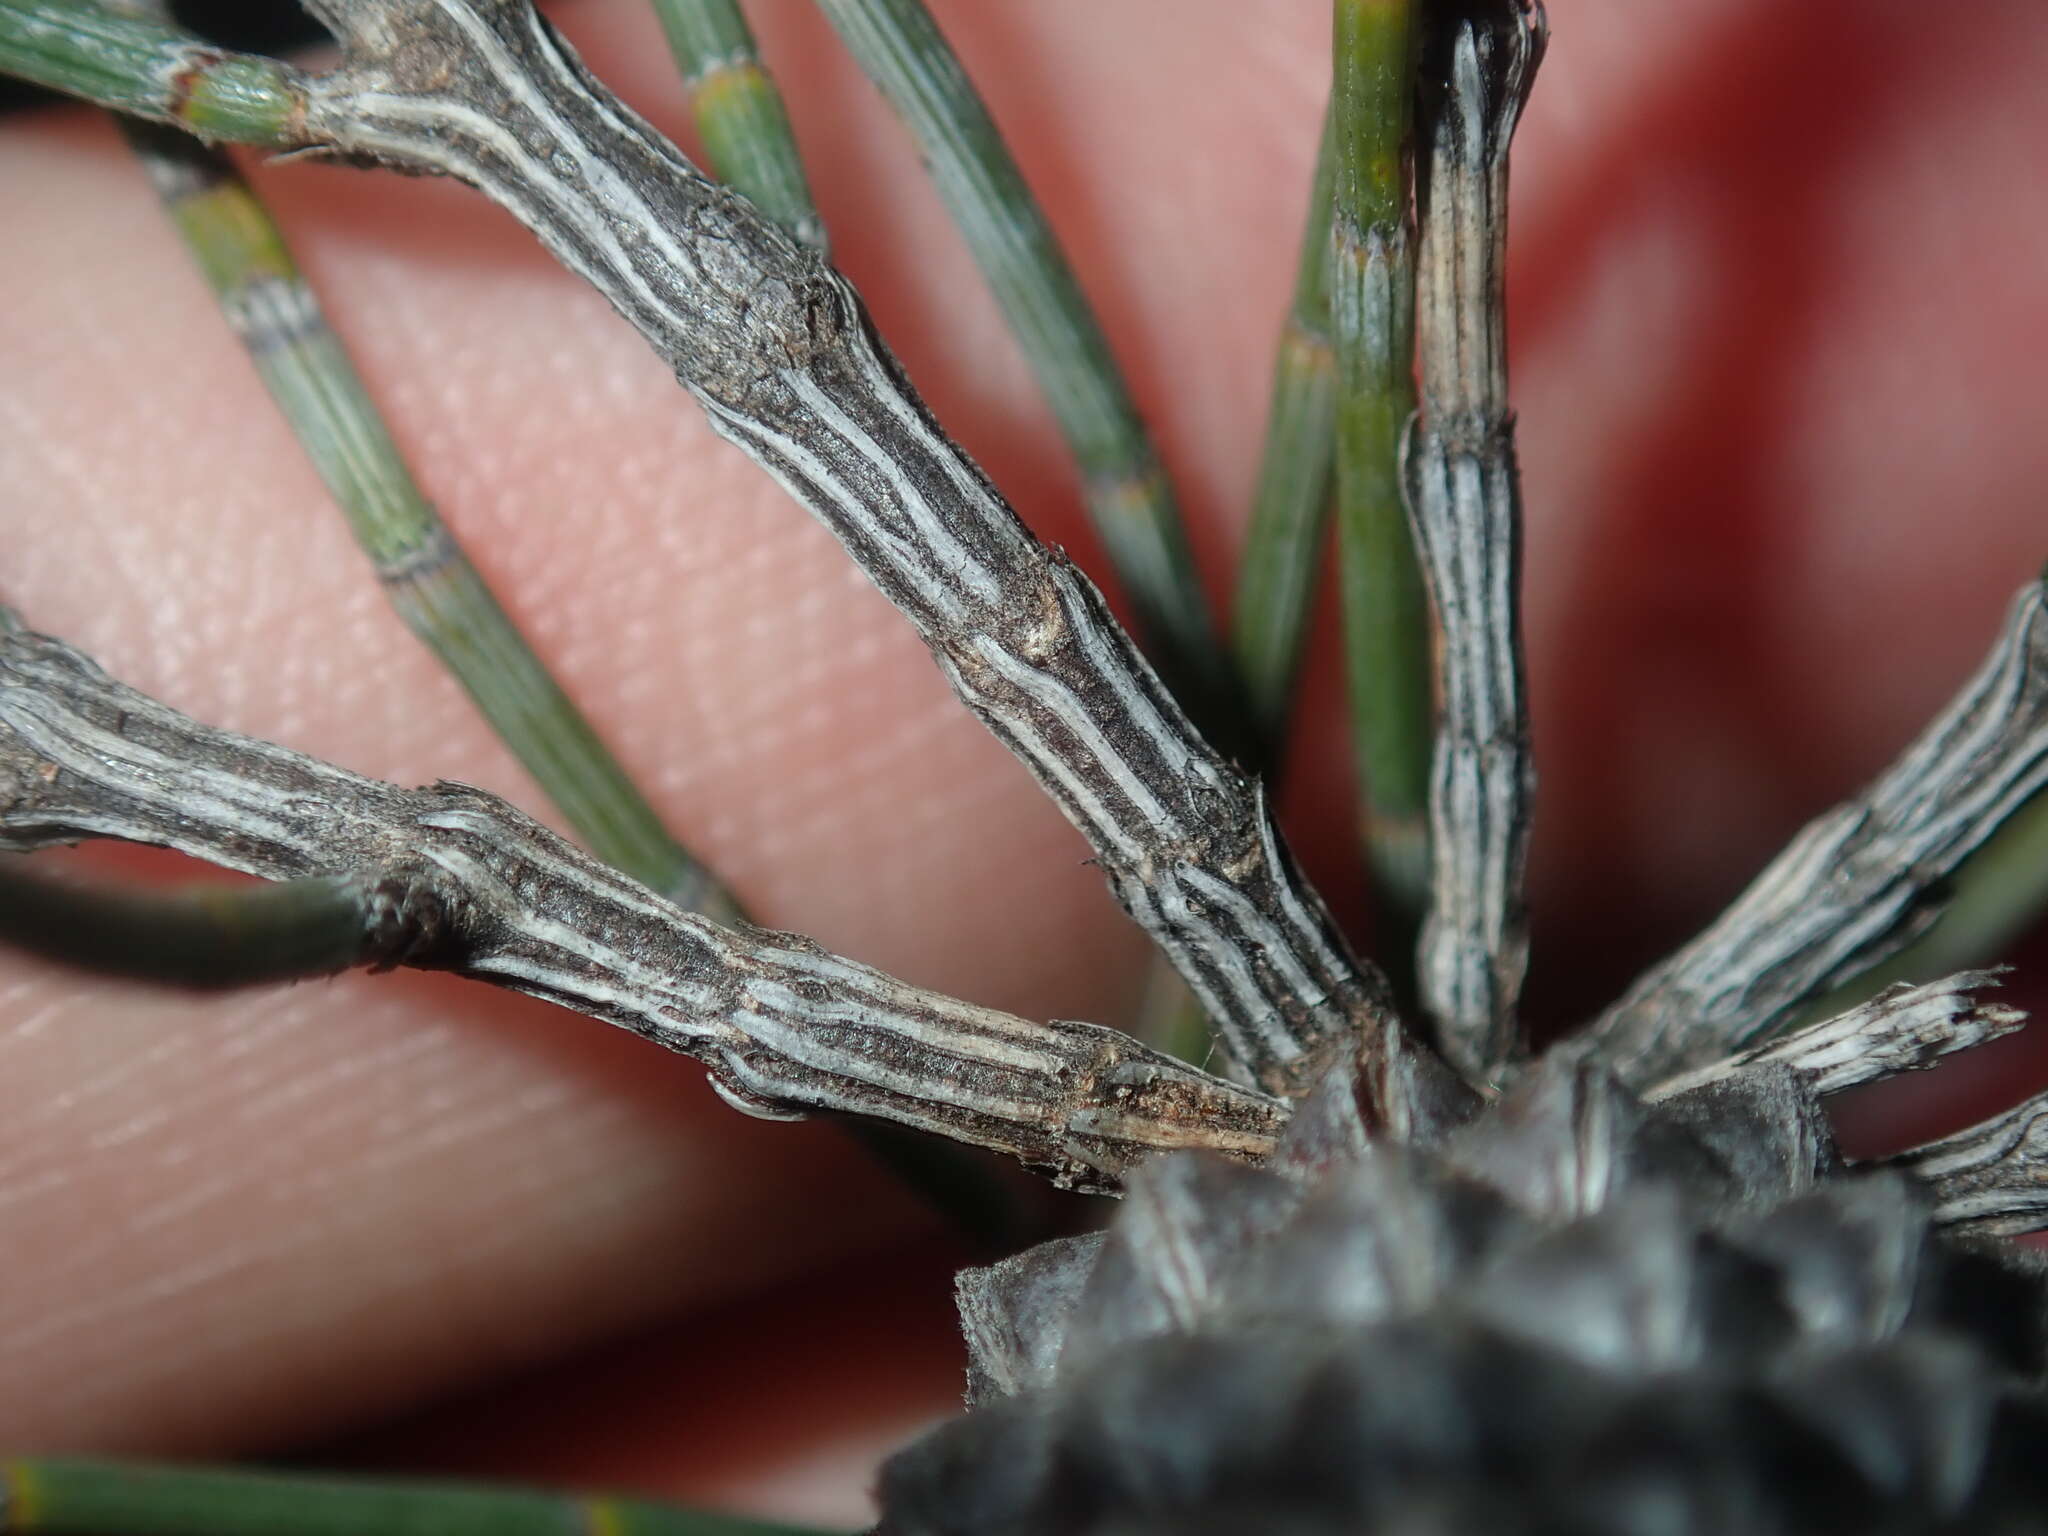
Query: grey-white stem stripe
(1858, 882)
(1903, 1029)
(783, 1026)
(1989, 1179)
(1465, 500)
(780, 353)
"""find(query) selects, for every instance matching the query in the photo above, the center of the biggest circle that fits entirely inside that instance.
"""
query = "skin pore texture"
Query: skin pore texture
(1776, 284)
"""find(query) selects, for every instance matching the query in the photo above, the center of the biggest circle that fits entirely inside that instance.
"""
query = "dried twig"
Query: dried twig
(1475, 76)
(1992, 1178)
(779, 351)
(1903, 1029)
(1859, 881)
(784, 1027)
(1997, 894)
(420, 564)
(902, 50)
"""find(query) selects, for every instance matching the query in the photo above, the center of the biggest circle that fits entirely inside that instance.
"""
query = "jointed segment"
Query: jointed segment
(1466, 499)
(784, 1027)
(901, 48)
(146, 68)
(423, 569)
(1372, 318)
(1857, 882)
(779, 351)
(739, 112)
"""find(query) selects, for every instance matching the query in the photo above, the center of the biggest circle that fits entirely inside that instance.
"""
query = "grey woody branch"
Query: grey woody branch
(779, 351)
(1465, 499)
(480, 889)
(1991, 1179)
(1903, 1029)
(1858, 882)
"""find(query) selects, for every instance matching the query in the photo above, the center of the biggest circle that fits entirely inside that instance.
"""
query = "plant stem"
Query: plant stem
(211, 937)
(1858, 882)
(1386, 617)
(781, 354)
(1999, 891)
(739, 113)
(150, 69)
(76, 1497)
(783, 1027)
(1991, 1179)
(1903, 1029)
(423, 570)
(445, 601)
(903, 51)
(750, 146)
(1465, 496)
(1290, 511)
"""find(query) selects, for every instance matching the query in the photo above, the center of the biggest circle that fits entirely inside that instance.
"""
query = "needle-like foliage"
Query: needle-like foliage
(1370, 1276)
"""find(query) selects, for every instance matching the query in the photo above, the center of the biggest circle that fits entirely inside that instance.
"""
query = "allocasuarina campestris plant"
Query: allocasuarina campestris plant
(240, 1221)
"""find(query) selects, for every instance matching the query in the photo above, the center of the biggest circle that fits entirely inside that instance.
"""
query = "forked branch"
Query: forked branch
(780, 352)
(480, 889)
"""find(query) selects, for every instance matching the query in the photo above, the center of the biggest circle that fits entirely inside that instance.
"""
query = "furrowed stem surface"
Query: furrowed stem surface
(64, 1496)
(739, 113)
(419, 564)
(1386, 617)
(1903, 1029)
(446, 602)
(1125, 486)
(747, 138)
(2000, 892)
(1291, 508)
(1857, 883)
(1480, 60)
(783, 1027)
(1990, 1180)
(780, 353)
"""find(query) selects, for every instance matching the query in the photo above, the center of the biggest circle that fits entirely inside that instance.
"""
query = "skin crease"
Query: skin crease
(1776, 309)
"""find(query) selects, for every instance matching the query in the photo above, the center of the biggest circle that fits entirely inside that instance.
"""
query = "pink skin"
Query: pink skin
(1758, 558)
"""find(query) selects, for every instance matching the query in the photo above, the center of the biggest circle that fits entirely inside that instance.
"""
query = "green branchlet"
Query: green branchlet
(1125, 486)
(1290, 511)
(741, 121)
(1386, 609)
(151, 69)
(77, 1497)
